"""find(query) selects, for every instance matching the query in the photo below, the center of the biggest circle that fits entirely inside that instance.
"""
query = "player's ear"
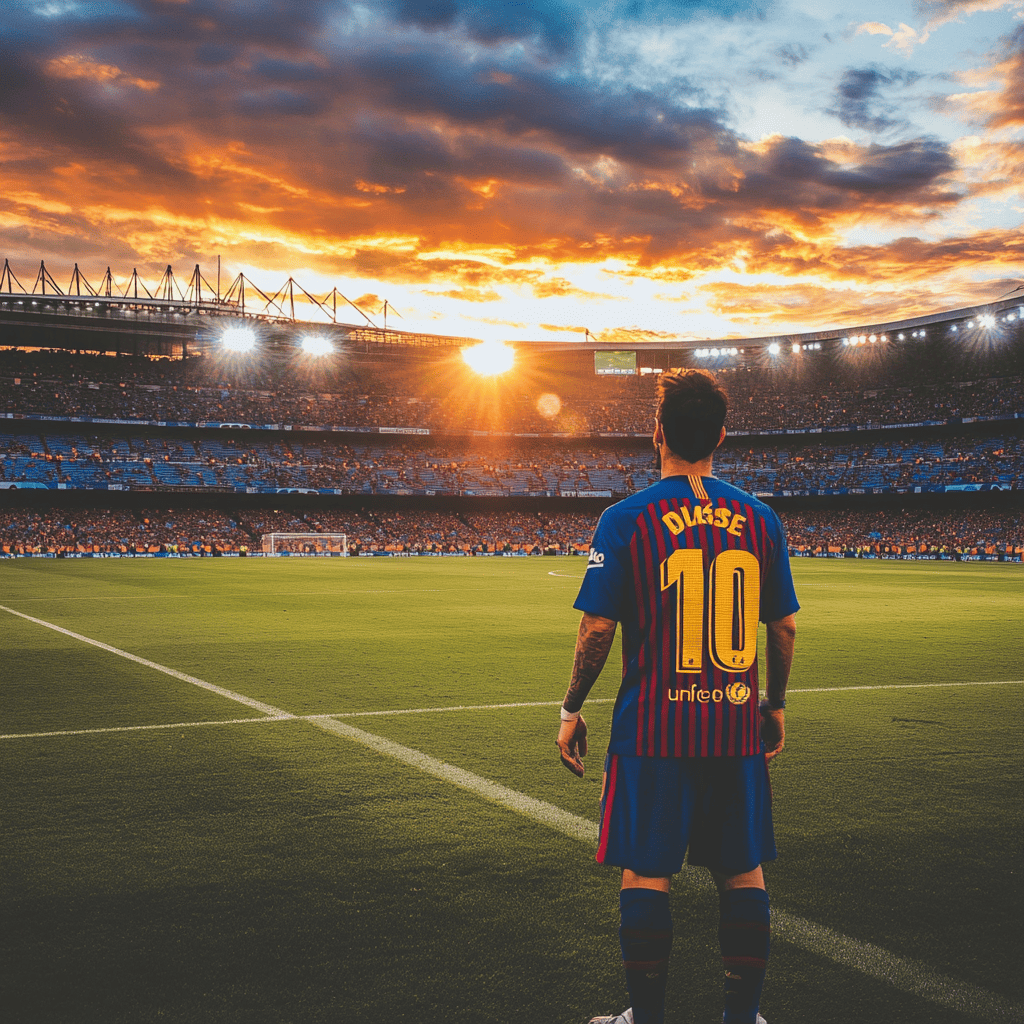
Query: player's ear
(721, 438)
(659, 433)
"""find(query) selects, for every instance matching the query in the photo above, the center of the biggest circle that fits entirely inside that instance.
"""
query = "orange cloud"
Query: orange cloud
(469, 294)
(75, 66)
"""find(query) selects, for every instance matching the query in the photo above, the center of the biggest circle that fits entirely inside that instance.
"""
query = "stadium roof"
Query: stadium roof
(83, 316)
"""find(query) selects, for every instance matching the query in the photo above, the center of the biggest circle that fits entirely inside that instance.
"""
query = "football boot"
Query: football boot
(626, 1017)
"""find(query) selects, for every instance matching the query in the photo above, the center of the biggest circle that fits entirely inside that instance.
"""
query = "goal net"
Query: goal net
(305, 544)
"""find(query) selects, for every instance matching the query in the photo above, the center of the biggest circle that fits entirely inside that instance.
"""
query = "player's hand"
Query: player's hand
(572, 745)
(773, 731)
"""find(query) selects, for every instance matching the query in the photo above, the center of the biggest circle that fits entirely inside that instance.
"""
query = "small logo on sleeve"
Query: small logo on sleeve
(595, 559)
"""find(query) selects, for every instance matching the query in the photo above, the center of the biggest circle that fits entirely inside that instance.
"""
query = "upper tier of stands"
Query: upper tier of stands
(936, 381)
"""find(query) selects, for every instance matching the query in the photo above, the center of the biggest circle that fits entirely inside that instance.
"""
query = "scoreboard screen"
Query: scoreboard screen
(615, 363)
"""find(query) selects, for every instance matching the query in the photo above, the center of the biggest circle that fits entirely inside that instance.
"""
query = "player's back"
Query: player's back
(688, 567)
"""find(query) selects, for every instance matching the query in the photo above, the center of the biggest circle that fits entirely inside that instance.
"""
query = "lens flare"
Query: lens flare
(549, 405)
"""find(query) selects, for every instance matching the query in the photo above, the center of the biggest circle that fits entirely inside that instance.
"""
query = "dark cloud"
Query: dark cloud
(559, 27)
(633, 125)
(64, 115)
(286, 71)
(401, 156)
(279, 102)
(795, 175)
(895, 171)
(792, 54)
(859, 98)
(687, 10)
(216, 54)
(555, 25)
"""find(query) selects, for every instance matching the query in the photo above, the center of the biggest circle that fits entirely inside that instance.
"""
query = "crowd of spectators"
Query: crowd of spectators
(211, 531)
(433, 393)
(517, 467)
(905, 530)
(438, 397)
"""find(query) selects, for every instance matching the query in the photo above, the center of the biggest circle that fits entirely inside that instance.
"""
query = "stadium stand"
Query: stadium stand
(403, 451)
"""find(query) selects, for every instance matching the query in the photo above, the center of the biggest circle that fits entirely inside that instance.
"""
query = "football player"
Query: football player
(688, 567)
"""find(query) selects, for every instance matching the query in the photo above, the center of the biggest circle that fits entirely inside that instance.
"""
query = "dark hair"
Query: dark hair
(691, 410)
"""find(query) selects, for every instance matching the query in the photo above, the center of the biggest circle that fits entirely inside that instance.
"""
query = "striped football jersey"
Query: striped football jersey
(688, 567)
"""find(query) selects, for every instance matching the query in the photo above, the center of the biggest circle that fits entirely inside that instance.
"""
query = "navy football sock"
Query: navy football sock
(745, 938)
(646, 939)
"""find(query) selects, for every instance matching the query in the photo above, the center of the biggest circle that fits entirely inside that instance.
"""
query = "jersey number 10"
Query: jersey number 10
(732, 608)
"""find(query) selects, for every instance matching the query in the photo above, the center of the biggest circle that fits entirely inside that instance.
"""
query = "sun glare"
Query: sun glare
(489, 358)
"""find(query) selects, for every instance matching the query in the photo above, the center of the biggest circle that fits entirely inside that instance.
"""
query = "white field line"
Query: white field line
(146, 728)
(610, 700)
(457, 707)
(905, 974)
(905, 686)
(316, 719)
(267, 709)
(285, 717)
(902, 973)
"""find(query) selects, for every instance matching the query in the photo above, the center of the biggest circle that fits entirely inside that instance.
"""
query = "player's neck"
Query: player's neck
(672, 465)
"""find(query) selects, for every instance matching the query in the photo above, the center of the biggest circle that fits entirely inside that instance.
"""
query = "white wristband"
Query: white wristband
(569, 716)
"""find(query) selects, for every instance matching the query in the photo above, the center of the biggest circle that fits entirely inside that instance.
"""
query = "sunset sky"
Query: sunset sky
(528, 169)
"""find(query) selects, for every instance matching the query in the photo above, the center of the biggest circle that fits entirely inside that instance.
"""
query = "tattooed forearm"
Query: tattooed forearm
(779, 656)
(593, 643)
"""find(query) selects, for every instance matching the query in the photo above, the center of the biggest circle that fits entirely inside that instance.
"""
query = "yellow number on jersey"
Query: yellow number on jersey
(733, 603)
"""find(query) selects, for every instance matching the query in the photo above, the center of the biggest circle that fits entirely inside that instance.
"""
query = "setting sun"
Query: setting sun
(489, 358)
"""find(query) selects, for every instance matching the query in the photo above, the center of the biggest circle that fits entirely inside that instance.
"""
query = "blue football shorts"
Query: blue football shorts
(655, 808)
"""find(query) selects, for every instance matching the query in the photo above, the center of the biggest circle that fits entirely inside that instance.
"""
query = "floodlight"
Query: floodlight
(489, 358)
(238, 339)
(987, 320)
(316, 346)
(796, 348)
(773, 349)
(714, 353)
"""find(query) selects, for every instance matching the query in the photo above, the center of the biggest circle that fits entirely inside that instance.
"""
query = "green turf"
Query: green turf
(276, 873)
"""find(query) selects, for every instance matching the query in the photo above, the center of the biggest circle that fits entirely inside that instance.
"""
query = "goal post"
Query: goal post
(305, 544)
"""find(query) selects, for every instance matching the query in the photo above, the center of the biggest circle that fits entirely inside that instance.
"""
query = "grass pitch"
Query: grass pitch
(247, 870)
